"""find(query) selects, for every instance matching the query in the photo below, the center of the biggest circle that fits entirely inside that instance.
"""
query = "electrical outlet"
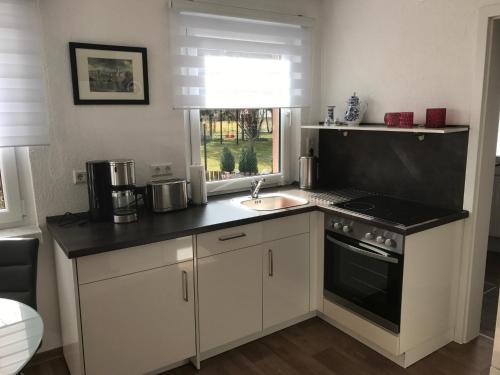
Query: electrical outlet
(79, 177)
(167, 169)
(155, 170)
(161, 170)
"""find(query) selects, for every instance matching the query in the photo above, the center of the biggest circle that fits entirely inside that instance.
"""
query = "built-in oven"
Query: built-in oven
(364, 270)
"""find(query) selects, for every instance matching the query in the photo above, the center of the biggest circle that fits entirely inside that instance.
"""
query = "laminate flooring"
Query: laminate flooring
(314, 347)
(490, 296)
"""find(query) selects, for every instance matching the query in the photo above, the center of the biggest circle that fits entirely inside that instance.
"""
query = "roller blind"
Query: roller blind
(225, 57)
(23, 120)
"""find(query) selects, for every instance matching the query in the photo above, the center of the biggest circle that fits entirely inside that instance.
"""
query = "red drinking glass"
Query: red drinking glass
(435, 118)
(406, 120)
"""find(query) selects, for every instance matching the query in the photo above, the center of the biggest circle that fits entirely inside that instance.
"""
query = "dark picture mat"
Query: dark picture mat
(73, 46)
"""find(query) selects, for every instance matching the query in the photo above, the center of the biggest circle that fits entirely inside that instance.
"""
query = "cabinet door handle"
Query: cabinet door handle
(185, 295)
(232, 236)
(271, 263)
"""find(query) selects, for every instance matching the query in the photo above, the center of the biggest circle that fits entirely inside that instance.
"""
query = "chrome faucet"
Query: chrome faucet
(255, 187)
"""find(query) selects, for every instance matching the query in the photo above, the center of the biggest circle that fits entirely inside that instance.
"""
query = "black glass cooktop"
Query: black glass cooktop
(393, 210)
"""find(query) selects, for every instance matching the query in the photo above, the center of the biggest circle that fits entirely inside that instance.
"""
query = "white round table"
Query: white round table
(21, 331)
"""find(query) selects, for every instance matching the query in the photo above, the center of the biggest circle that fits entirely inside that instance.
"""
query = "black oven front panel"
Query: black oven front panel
(365, 279)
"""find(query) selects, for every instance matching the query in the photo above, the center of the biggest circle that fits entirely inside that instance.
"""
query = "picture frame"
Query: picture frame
(108, 74)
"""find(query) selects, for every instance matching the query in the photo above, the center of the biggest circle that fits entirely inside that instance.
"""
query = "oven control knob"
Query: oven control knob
(369, 236)
(337, 226)
(390, 243)
(346, 229)
(380, 240)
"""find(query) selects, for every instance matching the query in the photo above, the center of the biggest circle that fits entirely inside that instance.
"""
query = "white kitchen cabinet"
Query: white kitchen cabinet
(285, 279)
(230, 296)
(140, 322)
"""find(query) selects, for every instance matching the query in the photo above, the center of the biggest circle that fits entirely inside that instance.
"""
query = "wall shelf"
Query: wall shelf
(383, 128)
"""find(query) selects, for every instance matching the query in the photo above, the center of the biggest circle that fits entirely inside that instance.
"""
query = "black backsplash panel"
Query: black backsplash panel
(431, 171)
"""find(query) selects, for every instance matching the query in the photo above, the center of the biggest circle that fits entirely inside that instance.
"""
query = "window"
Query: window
(251, 145)
(23, 112)
(23, 120)
(10, 200)
(240, 143)
(228, 57)
(236, 70)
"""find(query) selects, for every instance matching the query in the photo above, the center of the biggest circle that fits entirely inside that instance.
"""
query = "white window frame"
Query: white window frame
(192, 121)
(13, 212)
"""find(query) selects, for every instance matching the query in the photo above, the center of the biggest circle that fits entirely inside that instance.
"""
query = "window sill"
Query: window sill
(242, 184)
(23, 231)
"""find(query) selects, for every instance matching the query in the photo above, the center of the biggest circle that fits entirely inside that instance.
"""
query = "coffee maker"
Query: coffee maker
(112, 191)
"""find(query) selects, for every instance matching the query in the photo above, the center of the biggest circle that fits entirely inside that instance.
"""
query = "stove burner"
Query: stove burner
(359, 206)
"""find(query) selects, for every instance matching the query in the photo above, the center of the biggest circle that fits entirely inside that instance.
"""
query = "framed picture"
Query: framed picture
(105, 74)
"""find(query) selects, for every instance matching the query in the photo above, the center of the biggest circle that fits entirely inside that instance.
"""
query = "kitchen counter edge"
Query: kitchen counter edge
(61, 235)
(168, 235)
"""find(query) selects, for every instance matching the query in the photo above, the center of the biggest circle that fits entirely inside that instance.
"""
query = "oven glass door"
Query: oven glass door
(364, 279)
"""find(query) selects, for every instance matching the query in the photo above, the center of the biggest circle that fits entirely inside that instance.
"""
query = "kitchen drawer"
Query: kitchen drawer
(134, 259)
(285, 227)
(223, 240)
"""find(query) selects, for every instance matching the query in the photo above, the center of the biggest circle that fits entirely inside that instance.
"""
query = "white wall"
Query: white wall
(147, 134)
(400, 55)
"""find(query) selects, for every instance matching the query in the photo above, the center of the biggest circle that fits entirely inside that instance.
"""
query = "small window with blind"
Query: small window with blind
(238, 71)
(10, 200)
(23, 115)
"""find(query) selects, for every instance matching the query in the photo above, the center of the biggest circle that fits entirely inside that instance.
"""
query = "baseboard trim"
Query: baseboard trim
(168, 368)
(245, 340)
(405, 359)
(399, 360)
(486, 337)
(427, 348)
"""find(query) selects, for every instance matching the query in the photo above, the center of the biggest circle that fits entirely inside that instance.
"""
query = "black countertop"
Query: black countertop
(87, 238)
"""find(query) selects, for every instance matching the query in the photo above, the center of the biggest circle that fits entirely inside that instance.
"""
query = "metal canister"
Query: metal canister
(308, 172)
(167, 195)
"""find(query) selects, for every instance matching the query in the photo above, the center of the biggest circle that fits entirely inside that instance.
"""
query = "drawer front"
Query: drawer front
(223, 240)
(134, 259)
(286, 227)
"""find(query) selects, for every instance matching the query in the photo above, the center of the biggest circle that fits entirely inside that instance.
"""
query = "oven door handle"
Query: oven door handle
(380, 255)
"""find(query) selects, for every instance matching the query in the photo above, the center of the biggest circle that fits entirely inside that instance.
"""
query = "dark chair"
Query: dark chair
(18, 269)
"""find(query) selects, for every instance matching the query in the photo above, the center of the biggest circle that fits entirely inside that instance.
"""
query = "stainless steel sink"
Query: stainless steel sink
(273, 202)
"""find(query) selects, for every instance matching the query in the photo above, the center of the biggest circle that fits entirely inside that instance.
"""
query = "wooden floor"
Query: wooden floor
(491, 290)
(316, 348)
